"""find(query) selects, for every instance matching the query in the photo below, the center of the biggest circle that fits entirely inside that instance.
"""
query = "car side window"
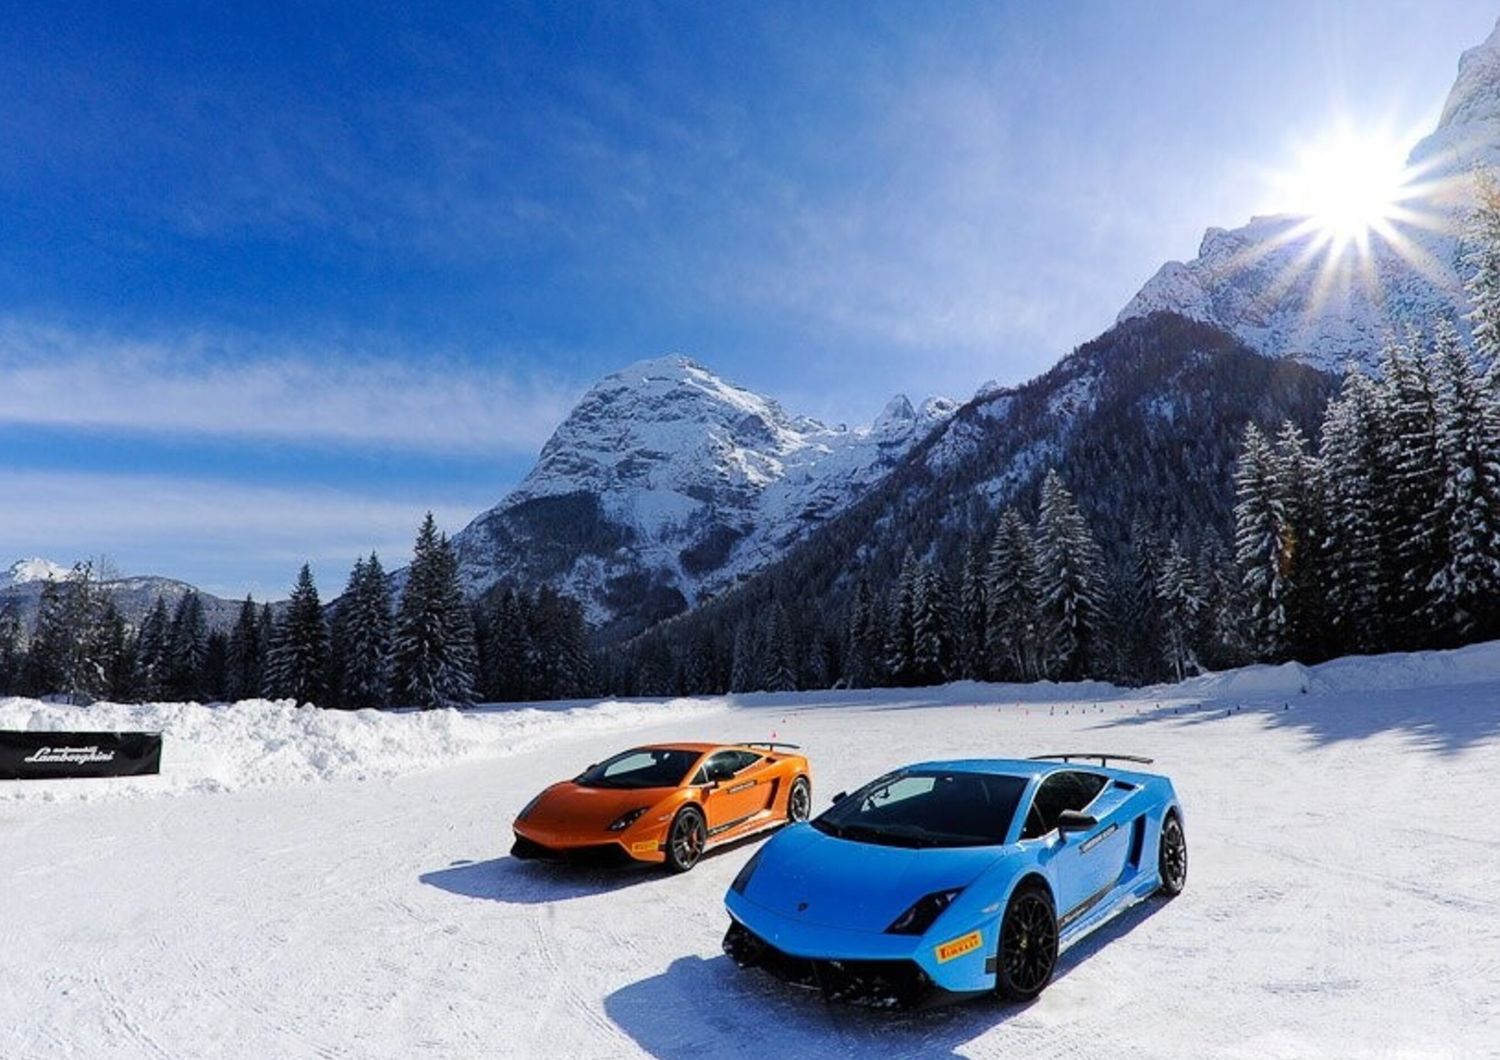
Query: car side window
(744, 760)
(1061, 791)
(720, 767)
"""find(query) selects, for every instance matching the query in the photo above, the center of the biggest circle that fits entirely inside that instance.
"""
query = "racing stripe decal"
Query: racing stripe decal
(1084, 906)
(1094, 840)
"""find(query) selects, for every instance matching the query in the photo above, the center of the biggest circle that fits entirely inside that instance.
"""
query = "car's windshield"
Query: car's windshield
(643, 767)
(927, 808)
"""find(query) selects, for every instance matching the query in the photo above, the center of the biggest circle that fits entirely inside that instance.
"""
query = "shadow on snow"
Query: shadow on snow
(701, 1007)
(1442, 720)
(520, 882)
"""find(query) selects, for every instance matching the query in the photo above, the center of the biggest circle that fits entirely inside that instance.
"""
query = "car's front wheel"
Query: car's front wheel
(686, 839)
(799, 800)
(1028, 944)
(1171, 858)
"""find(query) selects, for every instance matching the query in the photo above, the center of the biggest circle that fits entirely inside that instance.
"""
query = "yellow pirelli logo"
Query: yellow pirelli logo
(959, 946)
(643, 848)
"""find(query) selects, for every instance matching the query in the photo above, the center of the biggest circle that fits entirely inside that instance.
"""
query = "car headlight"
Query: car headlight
(742, 878)
(626, 819)
(525, 810)
(917, 919)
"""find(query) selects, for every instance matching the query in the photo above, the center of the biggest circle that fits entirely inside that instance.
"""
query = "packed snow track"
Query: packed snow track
(1343, 898)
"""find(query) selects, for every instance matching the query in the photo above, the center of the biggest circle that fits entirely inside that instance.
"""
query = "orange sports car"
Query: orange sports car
(666, 803)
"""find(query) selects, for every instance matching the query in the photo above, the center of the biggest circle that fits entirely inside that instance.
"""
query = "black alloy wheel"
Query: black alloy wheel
(799, 800)
(686, 839)
(1028, 944)
(1172, 861)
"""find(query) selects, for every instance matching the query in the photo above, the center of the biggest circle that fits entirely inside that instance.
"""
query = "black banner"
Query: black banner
(50, 755)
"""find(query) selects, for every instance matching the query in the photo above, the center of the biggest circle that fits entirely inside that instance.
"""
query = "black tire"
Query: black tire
(799, 801)
(1172, 858)
(686, 839)
(1027, 951)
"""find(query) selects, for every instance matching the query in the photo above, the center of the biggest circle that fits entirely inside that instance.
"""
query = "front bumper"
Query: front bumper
(875, 984)
(530, 845)
(868, 968)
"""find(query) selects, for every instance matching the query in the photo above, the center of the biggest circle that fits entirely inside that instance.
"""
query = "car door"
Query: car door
(737, 792)
(1075, 858)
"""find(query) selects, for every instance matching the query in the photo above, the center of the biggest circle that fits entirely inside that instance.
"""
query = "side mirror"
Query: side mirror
(841, 796)
(1075, 821)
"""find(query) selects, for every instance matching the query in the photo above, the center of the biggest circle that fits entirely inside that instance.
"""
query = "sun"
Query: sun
(1348, 185)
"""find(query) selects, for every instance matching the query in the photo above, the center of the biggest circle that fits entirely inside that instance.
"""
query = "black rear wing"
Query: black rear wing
(770, 745)
(1103, 758)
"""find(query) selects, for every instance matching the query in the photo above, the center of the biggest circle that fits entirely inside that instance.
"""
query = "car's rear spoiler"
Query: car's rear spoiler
(1103, 759)
(770, 745)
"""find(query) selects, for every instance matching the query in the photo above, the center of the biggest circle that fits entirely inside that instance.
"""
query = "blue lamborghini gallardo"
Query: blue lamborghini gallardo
(956, 877)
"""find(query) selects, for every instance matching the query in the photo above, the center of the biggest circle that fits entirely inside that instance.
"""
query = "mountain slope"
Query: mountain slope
(1144, 422)
(666, 484)
(21, 588)
(1273, 286)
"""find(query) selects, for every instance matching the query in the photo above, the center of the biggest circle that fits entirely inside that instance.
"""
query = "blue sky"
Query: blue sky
(274, 280)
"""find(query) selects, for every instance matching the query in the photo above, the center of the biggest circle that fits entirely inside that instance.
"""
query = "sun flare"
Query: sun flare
(1349, 185)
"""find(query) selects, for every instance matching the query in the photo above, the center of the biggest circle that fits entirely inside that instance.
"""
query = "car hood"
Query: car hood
(820, 879)
(568, 807)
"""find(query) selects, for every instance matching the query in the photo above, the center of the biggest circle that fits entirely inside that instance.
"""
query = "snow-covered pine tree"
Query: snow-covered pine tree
(1298, 477)
(1409, 408)
(509, 651)
(973, 615)
(1466, 588)
(242, 679)
(1011, 592)
(862, 663)
(1354, 483)
(900, 654)
(745, 668)
(1481, 258)
(1223, 624)
(574, 664)
(932, 627)
(1259, 545)
(213, 677)
(83, 619)
(186, 643)
(153, 653)
(297, 664)
(364, 625)
(698, 665)
(46, 667)
(779, 663)
(1140, 608)
(1069, 575)
(1182, 605)
(433, 655)
(12, 654)
(117, 654)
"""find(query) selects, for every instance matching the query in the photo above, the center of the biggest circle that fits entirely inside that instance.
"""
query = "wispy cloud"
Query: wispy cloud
(201, 529)
(204, 385)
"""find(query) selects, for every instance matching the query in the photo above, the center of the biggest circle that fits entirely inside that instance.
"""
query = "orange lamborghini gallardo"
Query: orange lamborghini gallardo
(666, 803)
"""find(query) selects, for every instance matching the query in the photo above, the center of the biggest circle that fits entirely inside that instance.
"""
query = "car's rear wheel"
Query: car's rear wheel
(799, 800)
(1028, 944)
(1171, 858)
(686, 839)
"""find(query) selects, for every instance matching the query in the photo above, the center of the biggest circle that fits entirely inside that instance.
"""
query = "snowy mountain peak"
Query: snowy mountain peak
(1475, 96)
(34, 569)
(665, 484)
(1272, 284)
(898, 410)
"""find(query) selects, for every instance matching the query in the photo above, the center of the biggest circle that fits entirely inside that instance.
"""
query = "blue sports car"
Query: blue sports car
(956, 877)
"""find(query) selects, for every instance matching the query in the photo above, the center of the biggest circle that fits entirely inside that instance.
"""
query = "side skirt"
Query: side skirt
(1097, 911)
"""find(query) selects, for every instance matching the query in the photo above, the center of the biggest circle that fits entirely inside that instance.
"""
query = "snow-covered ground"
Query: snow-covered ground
(1343, 900)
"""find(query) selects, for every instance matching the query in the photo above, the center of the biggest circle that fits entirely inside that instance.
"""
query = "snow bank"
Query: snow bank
(1473, 664)
(263, 743)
